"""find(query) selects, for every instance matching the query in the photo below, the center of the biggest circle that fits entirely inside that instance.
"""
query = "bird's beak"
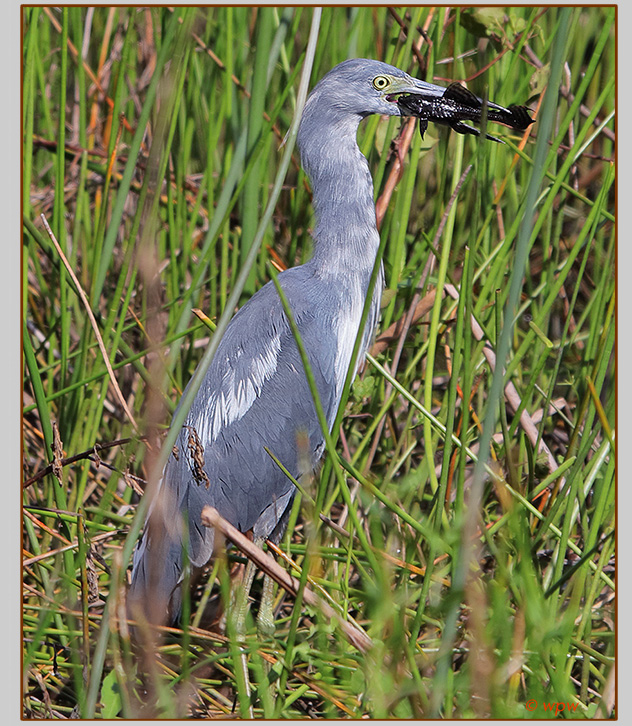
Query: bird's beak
(412, 85)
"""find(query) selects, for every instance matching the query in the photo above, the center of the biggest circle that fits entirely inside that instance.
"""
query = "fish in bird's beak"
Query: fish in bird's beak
(456, 104)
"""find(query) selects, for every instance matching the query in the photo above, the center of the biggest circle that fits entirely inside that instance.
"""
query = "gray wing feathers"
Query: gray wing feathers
(255, 395)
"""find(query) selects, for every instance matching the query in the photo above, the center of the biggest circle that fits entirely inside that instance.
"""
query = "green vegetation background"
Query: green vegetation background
(152, 137)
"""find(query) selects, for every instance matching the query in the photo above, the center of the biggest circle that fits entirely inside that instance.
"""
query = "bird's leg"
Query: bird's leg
(241, 595)
(239, 609)
(265, 618)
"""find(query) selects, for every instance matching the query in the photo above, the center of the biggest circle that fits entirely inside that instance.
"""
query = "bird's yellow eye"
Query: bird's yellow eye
(380, 82)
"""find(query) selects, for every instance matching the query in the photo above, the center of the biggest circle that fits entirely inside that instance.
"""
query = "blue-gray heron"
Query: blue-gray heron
(255, 395)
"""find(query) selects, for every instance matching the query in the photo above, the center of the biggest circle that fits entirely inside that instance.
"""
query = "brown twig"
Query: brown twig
(93, 322)
(90, 454)
(394, 330)
(402, 147)
(212, 518)
(405, 29)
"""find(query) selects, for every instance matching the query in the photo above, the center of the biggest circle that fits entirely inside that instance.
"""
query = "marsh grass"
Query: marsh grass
(482, 586)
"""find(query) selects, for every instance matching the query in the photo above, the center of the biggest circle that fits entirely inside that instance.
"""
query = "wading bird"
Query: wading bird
(255, 395)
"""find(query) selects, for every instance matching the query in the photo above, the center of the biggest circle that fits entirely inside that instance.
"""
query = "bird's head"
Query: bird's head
(363, 87)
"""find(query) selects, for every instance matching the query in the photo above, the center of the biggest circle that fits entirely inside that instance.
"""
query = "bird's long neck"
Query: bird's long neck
(345, 237)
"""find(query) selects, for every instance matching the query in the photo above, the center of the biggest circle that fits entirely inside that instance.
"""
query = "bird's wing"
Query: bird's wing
(255, 397)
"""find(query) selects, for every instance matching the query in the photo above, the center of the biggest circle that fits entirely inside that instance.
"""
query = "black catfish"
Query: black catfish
(457, 105)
